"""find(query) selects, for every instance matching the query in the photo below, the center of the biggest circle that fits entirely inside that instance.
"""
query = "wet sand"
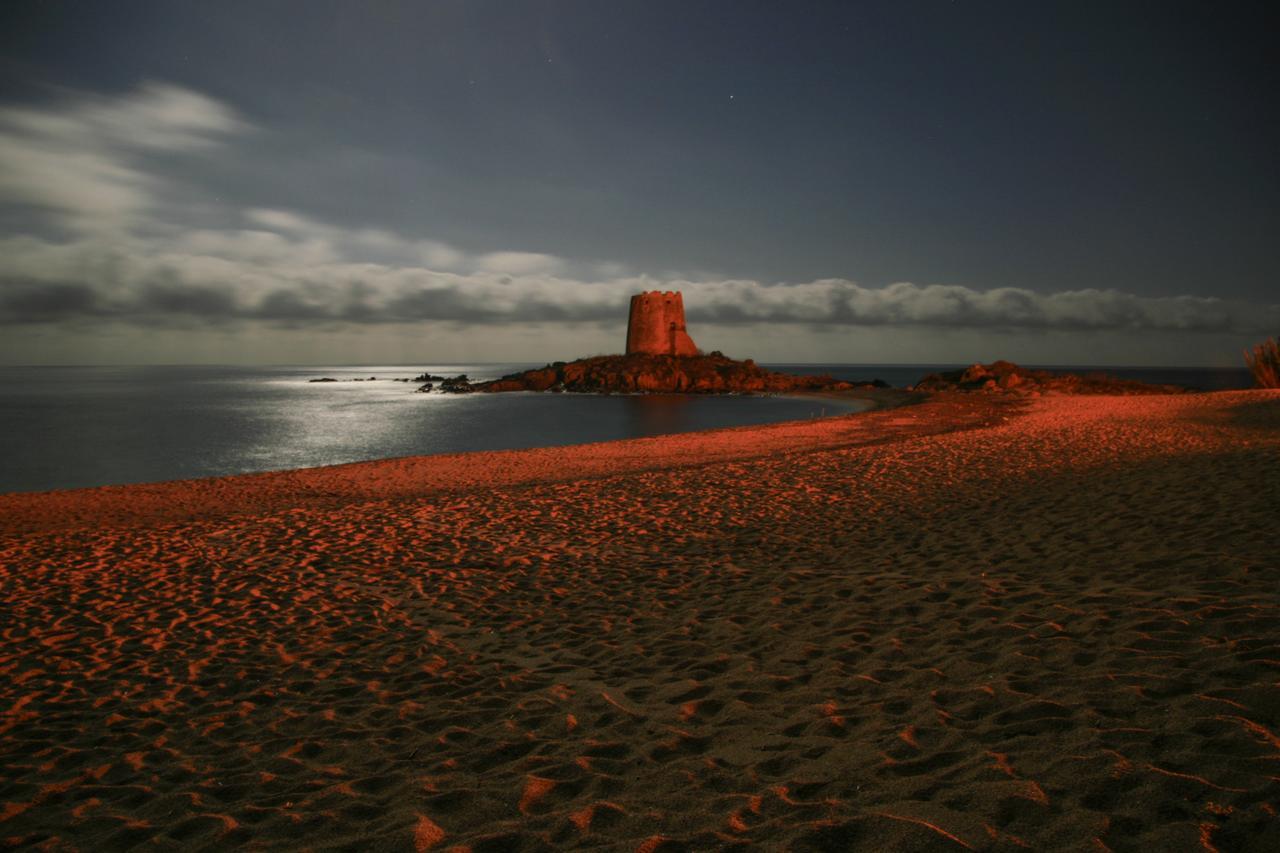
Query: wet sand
(970, 623)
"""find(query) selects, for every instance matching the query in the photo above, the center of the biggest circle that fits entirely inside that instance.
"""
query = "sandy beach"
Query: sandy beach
(972, 622)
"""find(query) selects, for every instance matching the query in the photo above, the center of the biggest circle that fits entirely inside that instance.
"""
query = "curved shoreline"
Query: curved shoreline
(994, 623)
(404, 476)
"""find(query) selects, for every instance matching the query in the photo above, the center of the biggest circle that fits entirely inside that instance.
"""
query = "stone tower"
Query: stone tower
(656, 325)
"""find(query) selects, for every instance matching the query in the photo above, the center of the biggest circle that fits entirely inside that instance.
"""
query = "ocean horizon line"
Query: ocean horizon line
(419, 362)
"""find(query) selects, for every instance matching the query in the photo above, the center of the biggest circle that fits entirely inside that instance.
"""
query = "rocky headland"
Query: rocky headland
(1006, 377)
(638, 373)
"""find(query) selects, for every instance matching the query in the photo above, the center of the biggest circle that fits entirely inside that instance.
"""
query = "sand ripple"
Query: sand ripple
(963, 624)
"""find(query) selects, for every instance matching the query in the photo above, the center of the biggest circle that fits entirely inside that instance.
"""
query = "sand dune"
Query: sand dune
(969, 623)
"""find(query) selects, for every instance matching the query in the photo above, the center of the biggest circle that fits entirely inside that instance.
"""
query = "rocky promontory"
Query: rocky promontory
(1007, 377)
(639, 373)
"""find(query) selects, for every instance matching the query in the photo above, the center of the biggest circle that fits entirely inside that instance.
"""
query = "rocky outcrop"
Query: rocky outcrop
(664, 374)
(1006, 377)
(457, 385)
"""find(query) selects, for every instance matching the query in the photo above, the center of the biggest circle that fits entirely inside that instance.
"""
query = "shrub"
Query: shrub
(1264, 363)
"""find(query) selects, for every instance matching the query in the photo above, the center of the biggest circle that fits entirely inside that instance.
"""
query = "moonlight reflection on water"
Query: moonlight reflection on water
(76, 427)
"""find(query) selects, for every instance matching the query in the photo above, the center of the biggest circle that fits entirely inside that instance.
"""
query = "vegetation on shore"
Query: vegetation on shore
(1264, 363)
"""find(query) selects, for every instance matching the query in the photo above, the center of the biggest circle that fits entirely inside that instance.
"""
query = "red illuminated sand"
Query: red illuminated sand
(971, 623)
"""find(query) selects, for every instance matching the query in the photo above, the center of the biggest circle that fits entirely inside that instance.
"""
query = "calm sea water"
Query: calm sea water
(68, 427)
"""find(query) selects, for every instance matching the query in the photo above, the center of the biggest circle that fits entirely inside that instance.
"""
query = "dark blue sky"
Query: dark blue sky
(1045, 147)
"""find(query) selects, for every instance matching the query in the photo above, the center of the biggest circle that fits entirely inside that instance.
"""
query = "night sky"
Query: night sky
(418, 182)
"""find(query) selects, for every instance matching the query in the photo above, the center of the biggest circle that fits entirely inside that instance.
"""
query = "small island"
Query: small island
(661, 358)
(641, 373)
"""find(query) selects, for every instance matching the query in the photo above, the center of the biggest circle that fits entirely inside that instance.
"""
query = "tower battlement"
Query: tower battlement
(656, 324)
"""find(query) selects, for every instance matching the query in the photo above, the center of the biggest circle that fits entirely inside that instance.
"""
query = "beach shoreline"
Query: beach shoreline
(170, 500)
(972, 622)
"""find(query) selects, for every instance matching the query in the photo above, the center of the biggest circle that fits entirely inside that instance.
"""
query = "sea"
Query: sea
(72, 427)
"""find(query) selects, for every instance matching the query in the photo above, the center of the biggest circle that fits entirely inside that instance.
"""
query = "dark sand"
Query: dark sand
(971, 623)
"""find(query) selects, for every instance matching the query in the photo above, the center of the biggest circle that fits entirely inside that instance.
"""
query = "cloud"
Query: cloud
(905, 304)
(519, 263)
(300, 277)
(133, 244)
(366, 242)
(81, 161)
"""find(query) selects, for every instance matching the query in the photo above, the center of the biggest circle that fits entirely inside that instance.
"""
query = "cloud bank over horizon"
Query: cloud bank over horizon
(103, 227)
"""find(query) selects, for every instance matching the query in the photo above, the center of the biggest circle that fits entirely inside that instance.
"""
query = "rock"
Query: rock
(425, 387)
(457, 385)
(661, 374)
(1002, 377)
(325, 379)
